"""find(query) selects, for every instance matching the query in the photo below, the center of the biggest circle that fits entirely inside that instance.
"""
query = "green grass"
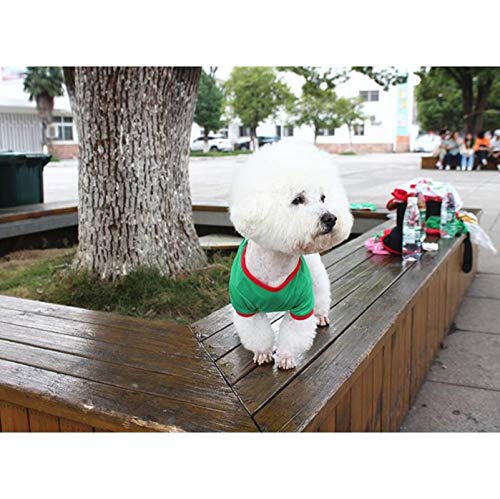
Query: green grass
(47, 275)
(217, 154)
(348, 153)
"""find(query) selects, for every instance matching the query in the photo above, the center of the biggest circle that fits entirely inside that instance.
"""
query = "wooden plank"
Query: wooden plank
(357, 416)
(97, 404)
(16, 213)
(378, 379)
(396, 375)
(41, 422)
(181, 345)
(69, 426)
(114, 320)
(202, 391)
(385, 411)
(343, 413)
(181, 366)
(367, 397)
(419, 342)
(328, 423)
(297, 404)
(14, 418)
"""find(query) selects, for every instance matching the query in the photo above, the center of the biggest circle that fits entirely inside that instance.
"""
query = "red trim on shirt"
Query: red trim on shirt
(301, 317)
(243, 315)
(261, 284)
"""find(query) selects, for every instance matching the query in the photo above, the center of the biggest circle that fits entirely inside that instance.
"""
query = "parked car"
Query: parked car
(215, 143)
(267, 140)
(427, 142)
(244, 142)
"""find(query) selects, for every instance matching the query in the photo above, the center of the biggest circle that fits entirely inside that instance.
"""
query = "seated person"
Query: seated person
(482, 148)
(467, 152)
(495, 148)
(440, 150)
(452, 145)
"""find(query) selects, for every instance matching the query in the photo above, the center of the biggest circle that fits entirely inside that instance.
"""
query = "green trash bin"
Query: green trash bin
(21, 178)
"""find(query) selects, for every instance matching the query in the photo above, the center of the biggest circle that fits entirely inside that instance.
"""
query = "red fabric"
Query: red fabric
(301, 317)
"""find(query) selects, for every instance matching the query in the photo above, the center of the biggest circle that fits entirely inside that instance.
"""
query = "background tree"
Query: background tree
(350, 113)
(43, 84)
(317, 79)
(209, 105)
(255, 94)
(134, 205)
(471, 90)
(383, 76)
(318, 110)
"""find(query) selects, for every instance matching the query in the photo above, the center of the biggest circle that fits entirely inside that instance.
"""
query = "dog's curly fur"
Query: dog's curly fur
(277, 202)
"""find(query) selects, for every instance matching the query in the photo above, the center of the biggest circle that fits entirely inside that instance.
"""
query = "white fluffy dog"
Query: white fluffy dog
(288, 203)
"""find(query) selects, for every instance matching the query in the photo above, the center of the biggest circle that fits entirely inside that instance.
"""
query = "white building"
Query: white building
(390, 125)
(20, 127)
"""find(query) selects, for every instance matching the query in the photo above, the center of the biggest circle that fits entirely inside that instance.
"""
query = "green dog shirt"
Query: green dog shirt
(249, 295)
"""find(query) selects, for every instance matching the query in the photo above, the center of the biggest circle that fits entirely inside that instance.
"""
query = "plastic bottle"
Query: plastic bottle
(422, 208)
(448, 208)
(412, 242)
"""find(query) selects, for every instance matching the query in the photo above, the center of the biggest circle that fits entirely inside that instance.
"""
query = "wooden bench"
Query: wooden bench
(68, 369)
(429, 163)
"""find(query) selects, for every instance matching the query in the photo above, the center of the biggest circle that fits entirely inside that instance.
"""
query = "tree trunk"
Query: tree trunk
(350, 137)
(253, 138)
(134, 204)
(205, 140)
(45, 106)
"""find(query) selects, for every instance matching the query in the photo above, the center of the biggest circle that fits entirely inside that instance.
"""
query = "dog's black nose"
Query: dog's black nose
(328, 220)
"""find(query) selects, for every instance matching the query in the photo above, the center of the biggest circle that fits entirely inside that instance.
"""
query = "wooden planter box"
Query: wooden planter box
(68, 369)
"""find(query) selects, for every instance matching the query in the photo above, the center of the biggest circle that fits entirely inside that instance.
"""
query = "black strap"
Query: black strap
(467, 259)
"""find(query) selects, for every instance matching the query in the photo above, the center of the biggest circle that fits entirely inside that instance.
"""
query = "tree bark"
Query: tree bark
(205, 140)
(134, 200)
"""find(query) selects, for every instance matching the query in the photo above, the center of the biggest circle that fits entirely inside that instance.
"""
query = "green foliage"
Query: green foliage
(255, 94)
(47, 276)
(463, 98)
(318, 109)
(385, 77)
(350, 111)
(209, 104)
(439, 102)
(317, 79)
(43, 80)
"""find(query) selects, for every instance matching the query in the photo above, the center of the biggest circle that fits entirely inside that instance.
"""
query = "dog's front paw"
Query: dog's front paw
(323, 320)
(286, 361)
(262, 357)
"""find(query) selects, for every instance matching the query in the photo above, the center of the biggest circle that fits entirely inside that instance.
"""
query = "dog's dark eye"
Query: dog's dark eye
(298, 200)
(322, 198)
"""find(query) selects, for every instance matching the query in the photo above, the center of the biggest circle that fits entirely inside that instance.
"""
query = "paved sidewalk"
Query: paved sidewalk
(462, 389)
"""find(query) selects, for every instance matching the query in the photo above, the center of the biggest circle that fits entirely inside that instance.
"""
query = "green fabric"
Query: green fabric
(363, 206)
(456, 227)
(248, 297)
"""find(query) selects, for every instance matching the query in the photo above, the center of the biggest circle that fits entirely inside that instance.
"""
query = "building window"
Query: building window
(358, 129)
(64, 125)
(278, 130)
(288, 131)
(327, 132)
(369, 95)
(245, 131)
